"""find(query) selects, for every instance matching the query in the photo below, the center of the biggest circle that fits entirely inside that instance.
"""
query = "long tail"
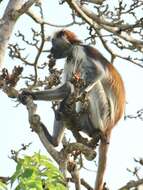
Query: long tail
(103, 148)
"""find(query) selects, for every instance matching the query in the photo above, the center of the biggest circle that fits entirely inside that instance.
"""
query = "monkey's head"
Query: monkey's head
(62, 43)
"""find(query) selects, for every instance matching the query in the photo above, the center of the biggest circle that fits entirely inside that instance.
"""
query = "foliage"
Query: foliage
(2, 186)
(37, 172)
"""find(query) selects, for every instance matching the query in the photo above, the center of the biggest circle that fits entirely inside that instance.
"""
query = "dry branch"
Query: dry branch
(14, 9)
(97, 23)
(132, 184)
(99, 2)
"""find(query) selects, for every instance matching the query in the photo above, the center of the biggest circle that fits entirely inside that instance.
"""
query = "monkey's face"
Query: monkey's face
(61, 47)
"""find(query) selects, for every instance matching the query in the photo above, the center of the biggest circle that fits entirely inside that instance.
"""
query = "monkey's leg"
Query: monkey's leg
(58, 132)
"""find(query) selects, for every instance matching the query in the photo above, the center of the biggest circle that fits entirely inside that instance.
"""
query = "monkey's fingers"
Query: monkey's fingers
(82, 97)
(23, 96)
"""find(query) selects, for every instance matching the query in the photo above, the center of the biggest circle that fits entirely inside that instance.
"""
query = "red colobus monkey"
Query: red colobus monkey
(103, 87)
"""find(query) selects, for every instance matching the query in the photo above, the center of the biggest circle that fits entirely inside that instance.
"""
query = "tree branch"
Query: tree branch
(36, 126)
(39, 20)
(97, 23)
(99, 2)
(14, 9)
(132, 184)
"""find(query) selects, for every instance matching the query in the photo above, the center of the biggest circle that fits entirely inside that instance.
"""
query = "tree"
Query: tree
(116, 28)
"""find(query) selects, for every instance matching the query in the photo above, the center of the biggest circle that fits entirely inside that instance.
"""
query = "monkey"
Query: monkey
(102, 86)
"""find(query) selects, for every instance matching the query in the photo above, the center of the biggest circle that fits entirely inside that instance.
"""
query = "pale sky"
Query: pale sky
(126, 142)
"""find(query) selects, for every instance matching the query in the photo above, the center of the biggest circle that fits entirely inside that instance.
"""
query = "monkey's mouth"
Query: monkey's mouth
(55, 53)
(58, 53)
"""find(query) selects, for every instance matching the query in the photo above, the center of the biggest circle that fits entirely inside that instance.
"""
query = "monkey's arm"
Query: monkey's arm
(57, 93)
(94, 76)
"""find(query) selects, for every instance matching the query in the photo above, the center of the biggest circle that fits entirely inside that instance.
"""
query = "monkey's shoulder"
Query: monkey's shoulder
(95, 54)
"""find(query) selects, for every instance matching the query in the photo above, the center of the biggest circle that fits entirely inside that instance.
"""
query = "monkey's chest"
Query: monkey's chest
(80, 71)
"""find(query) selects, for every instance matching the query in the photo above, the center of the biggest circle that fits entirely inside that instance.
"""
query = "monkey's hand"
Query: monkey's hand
(23, 96)
(82, 97)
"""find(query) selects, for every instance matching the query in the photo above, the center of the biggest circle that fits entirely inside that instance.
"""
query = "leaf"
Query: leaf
(15, 176)
(2, 186)
(27, 173)
(34, 171)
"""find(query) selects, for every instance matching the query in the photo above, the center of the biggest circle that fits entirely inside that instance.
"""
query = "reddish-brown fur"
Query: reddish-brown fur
(72, 38)
(115, 82)
(118, 88)
(116, 85)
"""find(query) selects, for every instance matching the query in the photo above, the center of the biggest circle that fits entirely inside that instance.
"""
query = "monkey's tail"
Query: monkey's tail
(103, 149)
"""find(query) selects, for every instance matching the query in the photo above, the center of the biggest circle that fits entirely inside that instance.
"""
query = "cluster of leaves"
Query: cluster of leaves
(36, 172)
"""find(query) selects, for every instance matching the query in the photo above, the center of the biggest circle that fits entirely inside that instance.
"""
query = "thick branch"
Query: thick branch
(88, 152)
(4, 179)
(26, 6)
(14, 9)
(36, 126)
(75, 175)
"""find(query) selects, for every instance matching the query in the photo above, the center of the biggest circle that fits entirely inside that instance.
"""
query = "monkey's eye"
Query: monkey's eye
(56, 43)
(52, 40)
(60, 34)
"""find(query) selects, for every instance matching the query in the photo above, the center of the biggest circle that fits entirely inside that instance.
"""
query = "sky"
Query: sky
(126, 141)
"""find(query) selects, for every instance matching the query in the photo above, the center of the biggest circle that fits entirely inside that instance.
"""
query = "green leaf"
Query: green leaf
(34, 171)
(15, 176)
(34, 185)
(27, 173)
(2, 186)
